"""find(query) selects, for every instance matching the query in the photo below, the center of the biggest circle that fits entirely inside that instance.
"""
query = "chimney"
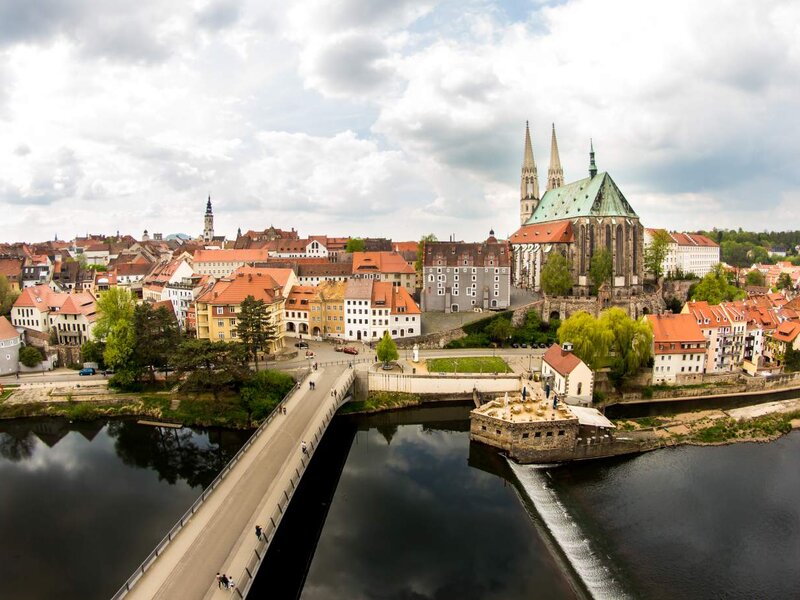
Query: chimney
(566, 346)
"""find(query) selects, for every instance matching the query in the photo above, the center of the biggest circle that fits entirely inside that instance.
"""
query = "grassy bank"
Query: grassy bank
(727, 430)
(468, 364)
(378, 401)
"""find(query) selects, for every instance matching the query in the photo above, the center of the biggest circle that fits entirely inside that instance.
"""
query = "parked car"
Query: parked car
(349, 350)
(301, 344)
(87, 371)
(338, 349)
(515, 345)
(523, 345)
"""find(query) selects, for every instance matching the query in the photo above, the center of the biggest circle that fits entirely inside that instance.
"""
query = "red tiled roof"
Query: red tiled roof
(544, 233)
(562, 361)
(786, 331)
(234, 289)
(702, 310)
(394, 297)
(7, 330)
(230, 255)
(380, 262)
(675, 329)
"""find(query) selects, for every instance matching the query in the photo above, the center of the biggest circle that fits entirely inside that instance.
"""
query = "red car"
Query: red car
(349, 350)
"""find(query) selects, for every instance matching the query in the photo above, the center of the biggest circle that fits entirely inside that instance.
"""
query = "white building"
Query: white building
(570, 377)
(688, 253)
(221, 263)
(372, 308)
(9, 347)
(679, 348)
(40, 309)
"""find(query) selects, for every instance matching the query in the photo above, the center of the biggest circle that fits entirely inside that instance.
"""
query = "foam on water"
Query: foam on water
(567, 533)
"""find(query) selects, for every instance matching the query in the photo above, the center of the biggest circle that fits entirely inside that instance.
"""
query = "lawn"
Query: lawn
(468, 364)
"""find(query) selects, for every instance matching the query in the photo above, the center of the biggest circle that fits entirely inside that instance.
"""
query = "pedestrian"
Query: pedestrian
(225, 581)
(284, 410)
(219, 580)
(303, 447)
(258, 532)
(231, 584)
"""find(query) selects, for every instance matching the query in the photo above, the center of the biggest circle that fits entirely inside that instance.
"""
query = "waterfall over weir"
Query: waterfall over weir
(569, 537)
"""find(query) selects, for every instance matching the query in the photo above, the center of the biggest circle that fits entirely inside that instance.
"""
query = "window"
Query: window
(497, 431)
(221, 335)
(483, 427)
(220, 323)
(549, 434)
(220, 310)
(538, 434)
(525, 436)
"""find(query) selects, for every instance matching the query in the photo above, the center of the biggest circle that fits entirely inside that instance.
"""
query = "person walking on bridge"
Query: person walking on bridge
(303, 447)
(258, 532)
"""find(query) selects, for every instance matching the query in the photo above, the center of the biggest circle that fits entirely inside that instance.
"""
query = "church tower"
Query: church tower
(592, 166)
(555, 175)
(208, 229)
(529, 186)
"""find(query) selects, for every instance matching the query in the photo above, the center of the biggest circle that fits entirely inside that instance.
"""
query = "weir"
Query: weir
(217, 533)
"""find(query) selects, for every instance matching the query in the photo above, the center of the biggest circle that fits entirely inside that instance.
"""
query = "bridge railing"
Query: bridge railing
(246, 578)
(151, 558)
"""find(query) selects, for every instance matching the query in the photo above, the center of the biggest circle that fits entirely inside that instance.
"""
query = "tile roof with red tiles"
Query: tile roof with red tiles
(300, 297)
(7, 330)
(708, 315)
(562, 361)
(234, 289)
(491, 253)
(679, 329)
(396, 298)
(786, 331)
(11, 268)
(380, 262)
(247, 256)
(544, 233)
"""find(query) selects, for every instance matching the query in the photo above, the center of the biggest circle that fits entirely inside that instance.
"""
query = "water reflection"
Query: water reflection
(411, 519)
(84, 503)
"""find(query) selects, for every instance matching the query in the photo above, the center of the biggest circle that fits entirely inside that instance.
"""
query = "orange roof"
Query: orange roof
(405, 246)
(7, 330)
(786, 331)
(562, 361)
(11, 268)
(230, 255)
(675, 329)
(300, 296)
(396, 298)
(702, 311)
(234, 289)
(544, 233)
(380, 262)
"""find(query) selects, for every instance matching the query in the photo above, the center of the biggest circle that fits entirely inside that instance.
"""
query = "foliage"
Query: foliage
(600, 269)
(756, 277)
(468, 364)
(386, 349)
(377, 401)
(677, 274)
(791, 359)
(784, 282)
(157, 336)
(253, 326)
(500, 330)
(481, 325)
(674, 305)
(212, 366)
(30, 356)
(556, 278)
(590, 341)
(429, 237)
(114, 306)
(714, 287)
(354, 245)
(472, 340)
(631, 343)
(263, 392)
(7, 296)
(92, 351)
(656, 252)
(727, 429)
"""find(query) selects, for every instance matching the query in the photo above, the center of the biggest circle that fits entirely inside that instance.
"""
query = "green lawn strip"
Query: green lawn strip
(468, 364)
(766, 426)
(381, 401)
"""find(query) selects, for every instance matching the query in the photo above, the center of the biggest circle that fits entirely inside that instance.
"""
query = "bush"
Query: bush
(30, 356)
(264, 391)
(482, 325)
(473, 340)
(647, 392)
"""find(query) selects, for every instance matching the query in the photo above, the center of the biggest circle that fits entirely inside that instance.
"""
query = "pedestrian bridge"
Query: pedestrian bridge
(217, 534)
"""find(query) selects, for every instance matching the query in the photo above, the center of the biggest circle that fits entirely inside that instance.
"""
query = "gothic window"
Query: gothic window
(608, 238)
(619, 262)
(635, 250)
(583, 250)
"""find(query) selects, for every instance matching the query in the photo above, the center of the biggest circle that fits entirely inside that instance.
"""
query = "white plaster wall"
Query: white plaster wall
(442, 384)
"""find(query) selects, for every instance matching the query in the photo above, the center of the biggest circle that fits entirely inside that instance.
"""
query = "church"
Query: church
(577, 219)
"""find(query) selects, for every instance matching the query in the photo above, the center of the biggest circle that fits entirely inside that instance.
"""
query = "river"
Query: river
(402, 506)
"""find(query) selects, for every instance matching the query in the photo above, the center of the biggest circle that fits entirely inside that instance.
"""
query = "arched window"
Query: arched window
(582, 250)
(608, 239)
(591, 241)
(620, 252)
(634, 236)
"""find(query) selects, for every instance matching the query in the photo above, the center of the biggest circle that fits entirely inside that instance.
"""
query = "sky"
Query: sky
(390, 118)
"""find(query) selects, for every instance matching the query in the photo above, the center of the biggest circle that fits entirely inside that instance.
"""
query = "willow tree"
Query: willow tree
(631, 343)
(590, 341)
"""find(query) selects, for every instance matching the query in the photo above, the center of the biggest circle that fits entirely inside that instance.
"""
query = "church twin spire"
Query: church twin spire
(529, 185)
(555, 174)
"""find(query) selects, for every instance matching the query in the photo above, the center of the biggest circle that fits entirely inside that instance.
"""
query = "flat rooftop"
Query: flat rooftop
(536, 409)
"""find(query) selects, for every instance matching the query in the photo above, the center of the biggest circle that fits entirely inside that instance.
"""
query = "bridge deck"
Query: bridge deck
(220, 536)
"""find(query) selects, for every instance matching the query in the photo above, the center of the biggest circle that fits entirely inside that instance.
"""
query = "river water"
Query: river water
(402, 506)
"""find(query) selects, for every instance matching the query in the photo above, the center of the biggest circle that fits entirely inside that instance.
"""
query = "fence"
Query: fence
(148, 562)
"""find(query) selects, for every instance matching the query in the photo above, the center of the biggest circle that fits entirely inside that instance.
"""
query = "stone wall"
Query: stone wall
(526, 441)
(519, 314)
(677, 288)
(432, 341)
(635, 306)
(444, 383)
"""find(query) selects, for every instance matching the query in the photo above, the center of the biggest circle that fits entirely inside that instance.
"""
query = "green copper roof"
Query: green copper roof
(596, 196)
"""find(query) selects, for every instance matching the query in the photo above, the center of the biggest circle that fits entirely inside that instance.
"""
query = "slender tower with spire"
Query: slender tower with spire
(529, 185)
(592, 166)
(208, 229)
(555, 174)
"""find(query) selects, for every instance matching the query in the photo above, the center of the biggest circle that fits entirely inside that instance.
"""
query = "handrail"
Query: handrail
(147, 562)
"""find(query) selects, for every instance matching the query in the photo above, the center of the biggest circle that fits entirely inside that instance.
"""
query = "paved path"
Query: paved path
(220, 536)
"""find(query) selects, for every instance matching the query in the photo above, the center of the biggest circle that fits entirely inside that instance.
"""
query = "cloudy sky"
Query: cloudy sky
(390, 117)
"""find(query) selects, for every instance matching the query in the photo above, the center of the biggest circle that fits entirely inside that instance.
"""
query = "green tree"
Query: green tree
(656, 252)
(590, 342)
(115, 327)
(92, 351)
(7, 296)
(157, 337)
(212, 366)
(600, 269)
(500, 330)
(784, 282)
(756, 278)
(263, 392)
(429, 237)
(714, 287)
(556, 276)
(114, 306)
(631, 343)
(253, 326)
(791, 359)
(386, 349)
(354, 245)
(30, 356)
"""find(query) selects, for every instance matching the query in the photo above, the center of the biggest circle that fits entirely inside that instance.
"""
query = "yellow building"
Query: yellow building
(329, 308)
(218, 307)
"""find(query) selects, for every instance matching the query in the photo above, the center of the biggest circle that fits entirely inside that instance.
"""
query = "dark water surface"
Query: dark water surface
(81, 505)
